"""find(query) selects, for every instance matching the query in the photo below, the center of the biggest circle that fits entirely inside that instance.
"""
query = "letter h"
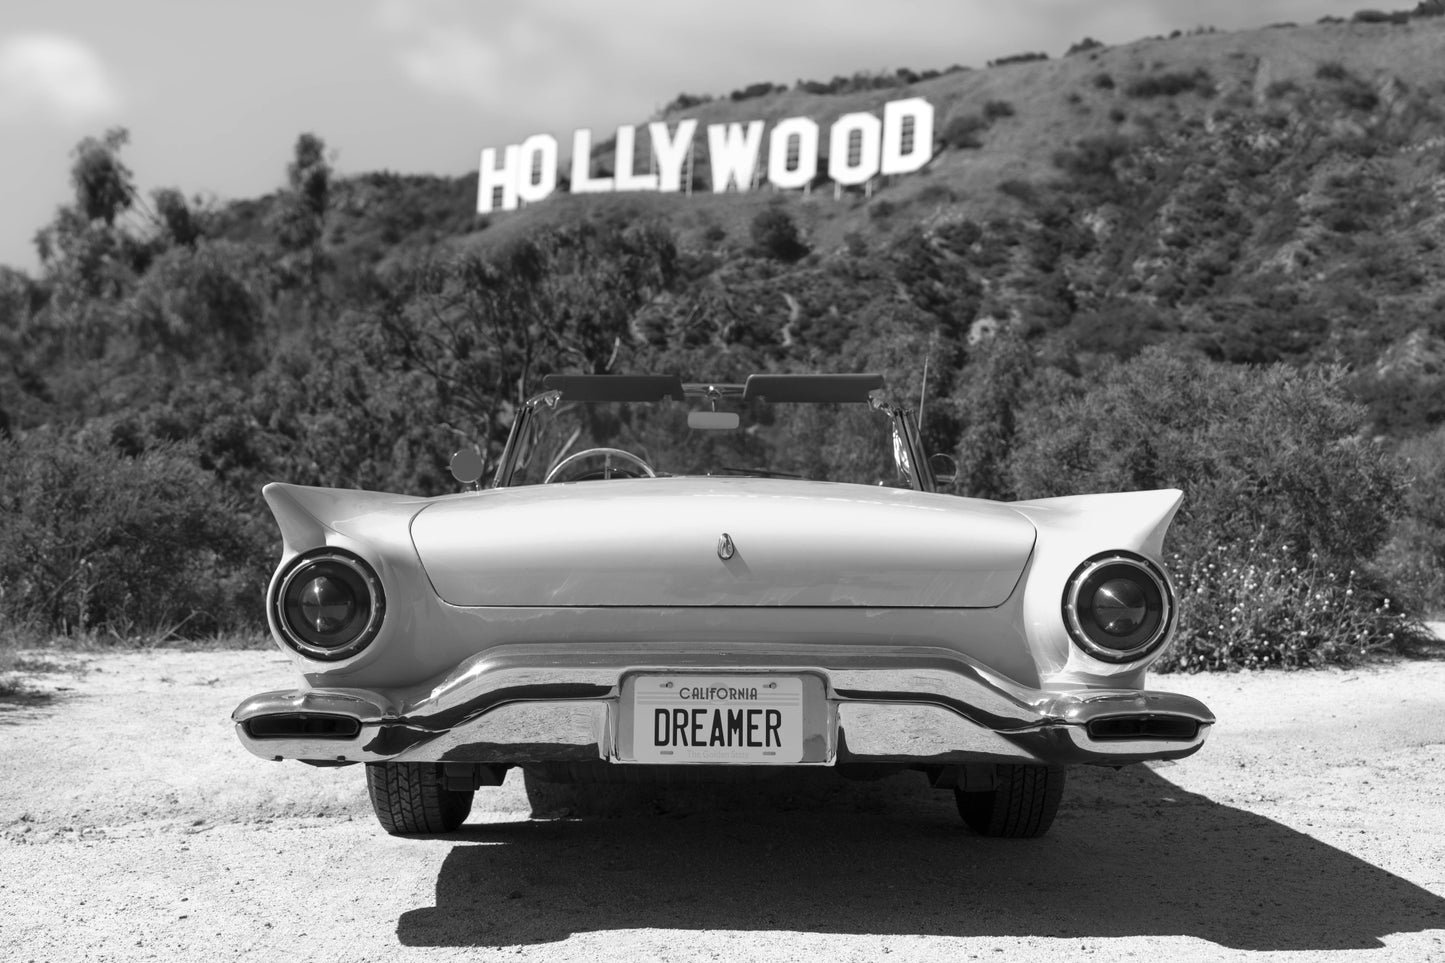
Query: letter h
(490, 177)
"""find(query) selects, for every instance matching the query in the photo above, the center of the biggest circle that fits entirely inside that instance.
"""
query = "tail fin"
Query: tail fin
(1136, 520)
(312, 517)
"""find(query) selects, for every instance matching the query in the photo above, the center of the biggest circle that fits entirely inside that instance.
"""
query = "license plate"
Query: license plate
(721, 719)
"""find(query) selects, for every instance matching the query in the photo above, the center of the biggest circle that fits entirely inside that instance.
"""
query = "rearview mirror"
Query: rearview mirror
(713, 420)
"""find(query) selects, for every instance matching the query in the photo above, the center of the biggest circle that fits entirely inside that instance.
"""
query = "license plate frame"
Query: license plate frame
(702, 718)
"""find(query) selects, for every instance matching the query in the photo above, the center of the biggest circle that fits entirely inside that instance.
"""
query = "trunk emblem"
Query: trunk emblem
(725, 546)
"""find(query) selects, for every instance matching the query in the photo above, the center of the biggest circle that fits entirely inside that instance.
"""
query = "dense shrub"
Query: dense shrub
(1381, 16)
(1250, 605)
(1413, 560)
(685, 100)
(962, 131)
(1088, 43)
(93, 540)
(1331, 70)
(1103, 81)
(1358, 96)
(761, 89)
(775, 235)
(1277, 474)
(1019, 190)
(937, 193)
(1093, 158)
(864, 80)
(1019, 58)
(1277, 450)
(996, 109)
(1171, 84)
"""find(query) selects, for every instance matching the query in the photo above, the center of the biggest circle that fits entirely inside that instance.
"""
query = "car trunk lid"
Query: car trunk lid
(721, 542)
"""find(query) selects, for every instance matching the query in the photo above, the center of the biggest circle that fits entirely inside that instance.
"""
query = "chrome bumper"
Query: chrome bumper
(533, 704)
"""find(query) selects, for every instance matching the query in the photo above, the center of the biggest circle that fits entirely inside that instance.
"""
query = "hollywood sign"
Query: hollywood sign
(860, 147)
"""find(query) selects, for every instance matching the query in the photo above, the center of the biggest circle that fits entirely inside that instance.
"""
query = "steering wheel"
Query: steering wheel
(609, 454)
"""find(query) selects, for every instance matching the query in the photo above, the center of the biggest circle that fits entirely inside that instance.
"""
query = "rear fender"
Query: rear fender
(1072, 529)
(372, 525)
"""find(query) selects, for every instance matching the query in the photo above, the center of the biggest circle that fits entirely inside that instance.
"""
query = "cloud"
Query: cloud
(443, 54)
(55, 78)
(503, 58)
(452, 62)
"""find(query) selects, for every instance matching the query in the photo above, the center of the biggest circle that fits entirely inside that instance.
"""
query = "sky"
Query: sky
(214, 94)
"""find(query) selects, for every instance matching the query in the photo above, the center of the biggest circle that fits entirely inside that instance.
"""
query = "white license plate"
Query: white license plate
(717, 718)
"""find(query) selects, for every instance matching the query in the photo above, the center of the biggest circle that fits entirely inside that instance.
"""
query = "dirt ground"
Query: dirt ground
(133, 826)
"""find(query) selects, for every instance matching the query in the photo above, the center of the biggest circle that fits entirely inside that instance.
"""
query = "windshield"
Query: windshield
(579, 441)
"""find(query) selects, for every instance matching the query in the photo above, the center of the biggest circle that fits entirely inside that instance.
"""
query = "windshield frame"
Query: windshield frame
(833, 388)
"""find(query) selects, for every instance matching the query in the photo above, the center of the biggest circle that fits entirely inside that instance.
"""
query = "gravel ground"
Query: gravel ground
(134, 827)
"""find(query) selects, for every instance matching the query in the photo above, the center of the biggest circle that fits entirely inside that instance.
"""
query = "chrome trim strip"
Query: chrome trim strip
(929, 734)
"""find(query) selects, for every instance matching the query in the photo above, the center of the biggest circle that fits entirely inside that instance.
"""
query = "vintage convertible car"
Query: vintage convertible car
(684, 580)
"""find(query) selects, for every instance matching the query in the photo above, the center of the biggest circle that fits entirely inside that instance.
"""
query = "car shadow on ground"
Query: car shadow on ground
(1130, 855)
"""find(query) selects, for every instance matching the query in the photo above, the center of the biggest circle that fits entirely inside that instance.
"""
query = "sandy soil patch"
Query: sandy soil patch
(134, 827)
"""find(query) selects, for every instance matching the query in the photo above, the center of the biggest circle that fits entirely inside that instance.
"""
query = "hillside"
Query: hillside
(1230, 199)
(1267, 195)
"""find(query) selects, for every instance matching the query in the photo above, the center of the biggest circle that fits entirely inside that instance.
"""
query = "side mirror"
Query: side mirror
(944, 467)
(466, 466)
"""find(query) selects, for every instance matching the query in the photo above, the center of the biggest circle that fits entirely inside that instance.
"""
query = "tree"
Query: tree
(104, 187)
(1275, 451)
(205, 303)
(175, 215)
(991, 392)
(302, 212)
(481, 331)
(87, 257)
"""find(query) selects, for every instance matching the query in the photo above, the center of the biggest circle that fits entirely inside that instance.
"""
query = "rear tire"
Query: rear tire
(1021, 805)
(411, 798)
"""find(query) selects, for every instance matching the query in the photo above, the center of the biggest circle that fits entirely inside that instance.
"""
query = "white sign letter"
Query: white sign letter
(626, 157)
(733, 155)
(537, 168)
(671, 152)
(802, 132)
(490, 177)
(582, 180)
(900, 157)
(851, 170)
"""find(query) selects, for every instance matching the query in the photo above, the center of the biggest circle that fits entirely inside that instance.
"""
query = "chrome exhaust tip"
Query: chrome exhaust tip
(295, 725)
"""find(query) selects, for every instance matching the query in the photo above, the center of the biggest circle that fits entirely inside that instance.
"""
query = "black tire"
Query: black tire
(411, 798)
(1021, 805)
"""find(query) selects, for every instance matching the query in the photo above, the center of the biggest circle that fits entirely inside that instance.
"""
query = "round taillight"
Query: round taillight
(328, 605)
(1118, 606)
